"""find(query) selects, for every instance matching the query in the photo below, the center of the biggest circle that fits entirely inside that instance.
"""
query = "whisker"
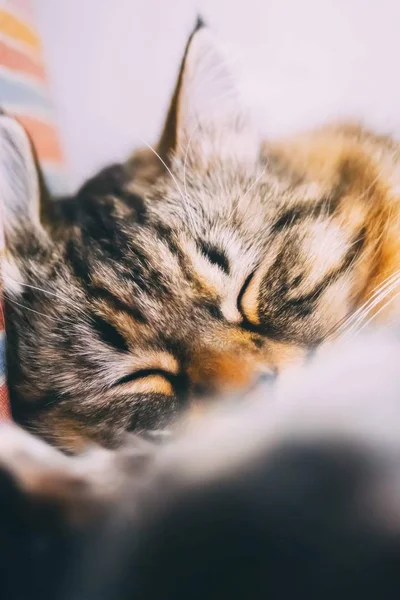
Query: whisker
(380, 298)
(30, 309)
(254, 183)
(54, 294)
(166, 166)
(377, 313)
(347, 320)
(368, 307)
(376, 294)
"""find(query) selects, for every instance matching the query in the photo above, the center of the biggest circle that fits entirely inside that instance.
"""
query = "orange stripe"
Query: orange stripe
(18, 30)
(44, 137)
(17, 61)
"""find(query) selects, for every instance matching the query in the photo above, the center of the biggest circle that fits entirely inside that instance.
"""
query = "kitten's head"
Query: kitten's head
(149, 293)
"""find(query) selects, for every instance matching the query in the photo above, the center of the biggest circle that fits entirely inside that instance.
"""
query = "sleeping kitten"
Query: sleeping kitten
(195, 273)
(295, 497)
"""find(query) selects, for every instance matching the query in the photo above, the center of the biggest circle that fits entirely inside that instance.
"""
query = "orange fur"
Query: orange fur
(368, 163)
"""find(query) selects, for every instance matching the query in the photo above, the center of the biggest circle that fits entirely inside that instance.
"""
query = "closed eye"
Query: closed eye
(142, 374)
(248, 296)
(239, 302)
(156, 381)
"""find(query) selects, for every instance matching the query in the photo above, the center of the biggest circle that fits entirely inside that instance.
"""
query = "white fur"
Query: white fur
(211, 118)
(19, 186)
(11, 276)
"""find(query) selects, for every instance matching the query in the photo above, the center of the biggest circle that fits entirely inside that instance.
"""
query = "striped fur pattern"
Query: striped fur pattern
(194, 270)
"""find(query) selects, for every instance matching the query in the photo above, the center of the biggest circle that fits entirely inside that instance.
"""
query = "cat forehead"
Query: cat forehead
(247, 198)
(210, 190)
(245, 219)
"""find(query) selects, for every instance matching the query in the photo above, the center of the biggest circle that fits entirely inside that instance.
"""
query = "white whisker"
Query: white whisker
(30, 309)
(166, 166)
(381, 292)
(371, 305)
(377, 313)
(254, 183)
(375, 292)
(47, 292)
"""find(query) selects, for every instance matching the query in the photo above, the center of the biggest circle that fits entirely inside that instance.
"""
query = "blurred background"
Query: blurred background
(112, 65)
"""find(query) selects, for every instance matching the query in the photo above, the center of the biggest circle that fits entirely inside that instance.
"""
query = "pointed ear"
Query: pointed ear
(19, 177)
(206, 111)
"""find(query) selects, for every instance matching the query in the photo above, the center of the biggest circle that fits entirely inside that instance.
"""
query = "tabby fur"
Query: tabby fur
(188, 274)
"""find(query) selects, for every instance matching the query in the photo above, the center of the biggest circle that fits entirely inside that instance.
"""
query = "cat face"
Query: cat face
(146, 295)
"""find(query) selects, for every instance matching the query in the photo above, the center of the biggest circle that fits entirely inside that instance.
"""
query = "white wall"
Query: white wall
(112, 65)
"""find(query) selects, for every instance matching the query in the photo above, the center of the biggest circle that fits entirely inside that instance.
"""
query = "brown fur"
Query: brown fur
(181, 277)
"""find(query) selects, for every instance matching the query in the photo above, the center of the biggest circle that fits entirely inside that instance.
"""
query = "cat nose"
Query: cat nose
(228, 375)
(221, 372)
(266, 377)
(206, 391)
(203, 390)
(262, 379)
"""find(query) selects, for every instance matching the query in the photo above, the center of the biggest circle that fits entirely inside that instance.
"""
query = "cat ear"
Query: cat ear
(206, 112)
(19, 177)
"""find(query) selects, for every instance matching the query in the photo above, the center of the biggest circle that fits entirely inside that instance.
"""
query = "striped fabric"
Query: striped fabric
(24, 94)
(23, 89)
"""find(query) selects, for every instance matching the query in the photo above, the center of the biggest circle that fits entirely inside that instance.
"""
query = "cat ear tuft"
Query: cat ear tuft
(206, 111)
(19, 177)
(199, 23)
